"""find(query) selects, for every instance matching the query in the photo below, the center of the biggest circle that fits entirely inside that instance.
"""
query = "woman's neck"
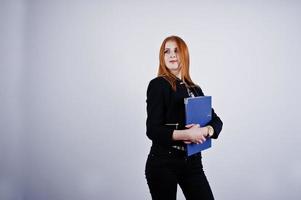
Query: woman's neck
(177, 74)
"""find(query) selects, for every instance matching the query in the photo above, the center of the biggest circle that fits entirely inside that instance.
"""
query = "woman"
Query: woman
(167, 163)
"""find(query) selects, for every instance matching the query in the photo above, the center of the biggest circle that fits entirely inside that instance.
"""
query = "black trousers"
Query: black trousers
(165, 168)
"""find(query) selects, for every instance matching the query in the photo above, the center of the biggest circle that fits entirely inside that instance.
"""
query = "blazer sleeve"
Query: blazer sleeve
(215, 122)
(156, 130)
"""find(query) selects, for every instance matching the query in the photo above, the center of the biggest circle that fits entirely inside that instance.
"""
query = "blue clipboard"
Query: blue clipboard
(198, 110)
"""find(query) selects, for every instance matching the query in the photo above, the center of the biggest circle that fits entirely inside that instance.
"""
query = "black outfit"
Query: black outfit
(167, 166)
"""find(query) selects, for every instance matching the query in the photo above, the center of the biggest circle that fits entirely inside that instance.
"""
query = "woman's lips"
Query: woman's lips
(173, 61)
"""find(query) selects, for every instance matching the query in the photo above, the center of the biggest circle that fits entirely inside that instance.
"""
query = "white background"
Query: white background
(73, 79)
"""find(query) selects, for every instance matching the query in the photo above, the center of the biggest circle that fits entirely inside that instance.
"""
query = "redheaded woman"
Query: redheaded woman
(168, 164)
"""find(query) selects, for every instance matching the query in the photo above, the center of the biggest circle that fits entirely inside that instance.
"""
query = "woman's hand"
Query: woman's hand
(196, 134)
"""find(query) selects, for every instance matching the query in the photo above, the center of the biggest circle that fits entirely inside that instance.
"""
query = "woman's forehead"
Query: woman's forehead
(171, 44)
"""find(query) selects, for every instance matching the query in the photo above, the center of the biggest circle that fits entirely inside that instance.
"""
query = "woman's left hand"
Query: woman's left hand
(197, 135)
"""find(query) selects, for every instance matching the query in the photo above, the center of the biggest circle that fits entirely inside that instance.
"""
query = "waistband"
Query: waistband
(168, 151)
(179, 147)
(171, 152)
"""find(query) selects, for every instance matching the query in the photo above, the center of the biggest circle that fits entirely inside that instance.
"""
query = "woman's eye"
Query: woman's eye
(166, 51)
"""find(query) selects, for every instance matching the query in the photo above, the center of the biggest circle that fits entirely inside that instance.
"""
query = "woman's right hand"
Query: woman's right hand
(196, 133)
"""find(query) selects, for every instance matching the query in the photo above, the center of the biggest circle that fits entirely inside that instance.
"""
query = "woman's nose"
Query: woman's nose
(173, 54)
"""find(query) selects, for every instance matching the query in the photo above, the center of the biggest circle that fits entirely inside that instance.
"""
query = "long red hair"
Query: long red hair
(184, 63)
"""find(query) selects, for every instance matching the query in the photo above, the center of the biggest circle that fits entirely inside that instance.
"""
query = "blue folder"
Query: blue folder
(198, 111)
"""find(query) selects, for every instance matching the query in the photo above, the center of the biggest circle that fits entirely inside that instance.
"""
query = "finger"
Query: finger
(198, 141)
(187, 142)
(189, 125)
(202, 140)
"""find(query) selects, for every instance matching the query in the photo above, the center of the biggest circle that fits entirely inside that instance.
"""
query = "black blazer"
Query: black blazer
(166, 106)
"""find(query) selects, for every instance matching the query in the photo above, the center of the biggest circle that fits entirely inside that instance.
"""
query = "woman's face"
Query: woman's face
(171, 57)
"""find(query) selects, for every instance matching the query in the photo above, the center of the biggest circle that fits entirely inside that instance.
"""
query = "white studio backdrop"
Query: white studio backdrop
(73, 79)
